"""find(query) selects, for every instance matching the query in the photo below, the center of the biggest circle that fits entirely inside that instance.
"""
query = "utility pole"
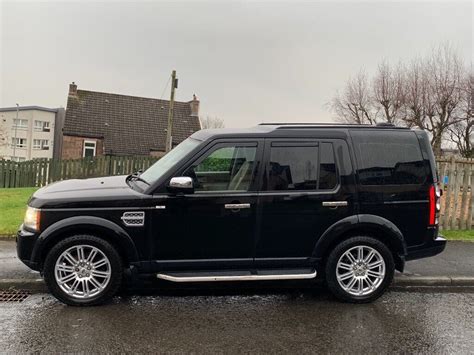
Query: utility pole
(16, 126)
(169, 133)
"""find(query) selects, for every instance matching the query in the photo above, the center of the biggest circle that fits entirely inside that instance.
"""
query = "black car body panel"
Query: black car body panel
(283, 219)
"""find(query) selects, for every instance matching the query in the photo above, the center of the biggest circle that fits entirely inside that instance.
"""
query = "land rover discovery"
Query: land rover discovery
(345, 203)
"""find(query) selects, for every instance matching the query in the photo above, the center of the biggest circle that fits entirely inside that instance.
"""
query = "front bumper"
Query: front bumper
(433, 248)
(25, 243)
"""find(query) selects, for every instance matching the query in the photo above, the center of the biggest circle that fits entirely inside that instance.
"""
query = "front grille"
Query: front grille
(13, 296)
(134, 219)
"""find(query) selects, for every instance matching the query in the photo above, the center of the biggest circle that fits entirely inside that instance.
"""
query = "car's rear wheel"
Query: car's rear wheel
(83, 270)
(359, 269)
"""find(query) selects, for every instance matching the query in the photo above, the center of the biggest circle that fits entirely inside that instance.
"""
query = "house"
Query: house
(30, 132)
(99, 123)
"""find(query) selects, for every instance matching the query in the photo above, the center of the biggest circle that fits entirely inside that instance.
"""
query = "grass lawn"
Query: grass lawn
(12, 208)
(13, 204)
(459, 235)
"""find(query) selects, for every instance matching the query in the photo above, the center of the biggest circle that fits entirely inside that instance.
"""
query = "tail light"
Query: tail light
(434, 204)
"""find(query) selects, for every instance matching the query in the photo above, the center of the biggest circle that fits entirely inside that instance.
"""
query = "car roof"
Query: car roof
(268, 130)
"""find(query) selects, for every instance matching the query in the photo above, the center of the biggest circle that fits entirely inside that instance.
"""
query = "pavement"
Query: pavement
(452, 268)
(288, 322)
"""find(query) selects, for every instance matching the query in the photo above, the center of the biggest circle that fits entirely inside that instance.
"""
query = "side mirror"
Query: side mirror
(182, 184)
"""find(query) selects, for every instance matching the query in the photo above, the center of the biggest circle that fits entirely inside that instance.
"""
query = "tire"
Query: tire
(92, 281)
(374, 270)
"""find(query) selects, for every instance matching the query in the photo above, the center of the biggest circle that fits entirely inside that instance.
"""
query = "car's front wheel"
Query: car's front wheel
(359, 269)
(83, 270)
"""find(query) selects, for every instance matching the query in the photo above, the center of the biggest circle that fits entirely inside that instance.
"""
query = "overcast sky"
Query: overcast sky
(248, 62)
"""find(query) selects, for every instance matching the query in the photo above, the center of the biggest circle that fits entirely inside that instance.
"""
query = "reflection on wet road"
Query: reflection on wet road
(289, 322)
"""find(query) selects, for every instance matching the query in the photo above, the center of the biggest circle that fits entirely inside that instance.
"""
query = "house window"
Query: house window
(19, 142)
(20, 123)
(42, 126)
(18, 159)
(89, 149)
(40, 144)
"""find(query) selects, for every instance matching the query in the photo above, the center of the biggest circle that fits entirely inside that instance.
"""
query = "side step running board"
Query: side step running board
(176, 277)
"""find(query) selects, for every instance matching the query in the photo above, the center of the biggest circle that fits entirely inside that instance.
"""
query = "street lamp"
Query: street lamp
(16, 126)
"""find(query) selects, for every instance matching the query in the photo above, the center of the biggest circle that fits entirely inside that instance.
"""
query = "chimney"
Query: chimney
(72, 89)
(194, 103)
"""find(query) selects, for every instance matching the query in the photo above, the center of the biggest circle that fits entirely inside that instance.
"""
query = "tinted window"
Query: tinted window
(392, 158)
(327, 167)
(224, 169)
(292, 168)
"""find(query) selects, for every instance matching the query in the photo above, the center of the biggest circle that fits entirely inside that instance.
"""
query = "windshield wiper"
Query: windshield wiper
(136, 177)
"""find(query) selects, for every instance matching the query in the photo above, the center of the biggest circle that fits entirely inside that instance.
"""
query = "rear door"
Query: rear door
(301, 196)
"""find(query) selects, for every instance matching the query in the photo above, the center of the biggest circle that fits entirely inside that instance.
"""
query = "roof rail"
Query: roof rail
(310, 124)
(385, 124)
(288, 125)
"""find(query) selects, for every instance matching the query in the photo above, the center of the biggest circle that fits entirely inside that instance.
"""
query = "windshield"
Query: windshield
(157, 170)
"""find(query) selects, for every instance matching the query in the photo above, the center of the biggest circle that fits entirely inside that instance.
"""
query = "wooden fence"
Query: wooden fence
(457, 204)
(40, 172)
(456, 177)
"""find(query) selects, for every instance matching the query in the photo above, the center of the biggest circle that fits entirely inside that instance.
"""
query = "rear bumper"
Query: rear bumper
(25, 243)
(430, 249)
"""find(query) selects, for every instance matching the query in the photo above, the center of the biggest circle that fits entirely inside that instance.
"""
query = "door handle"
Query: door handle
(334, 204)
(236, 206)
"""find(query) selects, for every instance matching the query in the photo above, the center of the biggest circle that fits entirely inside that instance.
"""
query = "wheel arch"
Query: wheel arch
(92, 225)
(368, 225)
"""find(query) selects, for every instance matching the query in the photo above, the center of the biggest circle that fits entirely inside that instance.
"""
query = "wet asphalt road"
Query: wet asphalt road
(299, 321)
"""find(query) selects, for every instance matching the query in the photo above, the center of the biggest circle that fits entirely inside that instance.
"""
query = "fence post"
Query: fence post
(464, 197)
(470, 211)
(447, 206)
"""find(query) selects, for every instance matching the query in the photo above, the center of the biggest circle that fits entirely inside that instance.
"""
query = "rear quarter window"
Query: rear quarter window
(389, 158)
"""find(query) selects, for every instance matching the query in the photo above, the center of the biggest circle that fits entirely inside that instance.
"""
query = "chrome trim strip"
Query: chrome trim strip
(236, 206)
(236, 278)
(334, 203)
(97, 209)
(404, 202)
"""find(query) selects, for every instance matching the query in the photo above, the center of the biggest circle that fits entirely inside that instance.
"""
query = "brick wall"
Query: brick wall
(73, 147)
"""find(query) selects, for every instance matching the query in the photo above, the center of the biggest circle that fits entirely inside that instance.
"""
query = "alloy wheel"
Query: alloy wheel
(360, 270)
(82, 271)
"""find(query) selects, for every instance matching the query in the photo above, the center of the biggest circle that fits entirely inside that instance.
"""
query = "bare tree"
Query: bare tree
(388, 88)
(462, 131)
(427, 93)
(416, 93)
(354, 105)
(212, 122)
(444, 93)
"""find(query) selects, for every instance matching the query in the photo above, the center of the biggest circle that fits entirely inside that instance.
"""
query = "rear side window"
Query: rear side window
(327, 167)
(389, 158)
(298, 167)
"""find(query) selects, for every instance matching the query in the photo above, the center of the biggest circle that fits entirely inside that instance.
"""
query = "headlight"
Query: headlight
(32, 218)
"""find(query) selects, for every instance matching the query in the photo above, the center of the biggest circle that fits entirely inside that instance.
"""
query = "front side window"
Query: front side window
(292, 167)
(228, 168)
(89, 149)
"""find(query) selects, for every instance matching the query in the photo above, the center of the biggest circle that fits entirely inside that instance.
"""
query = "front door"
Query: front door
(214, 227)
(301, 197)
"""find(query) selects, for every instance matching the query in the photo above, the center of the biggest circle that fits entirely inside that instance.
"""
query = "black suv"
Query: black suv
(347, 203)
